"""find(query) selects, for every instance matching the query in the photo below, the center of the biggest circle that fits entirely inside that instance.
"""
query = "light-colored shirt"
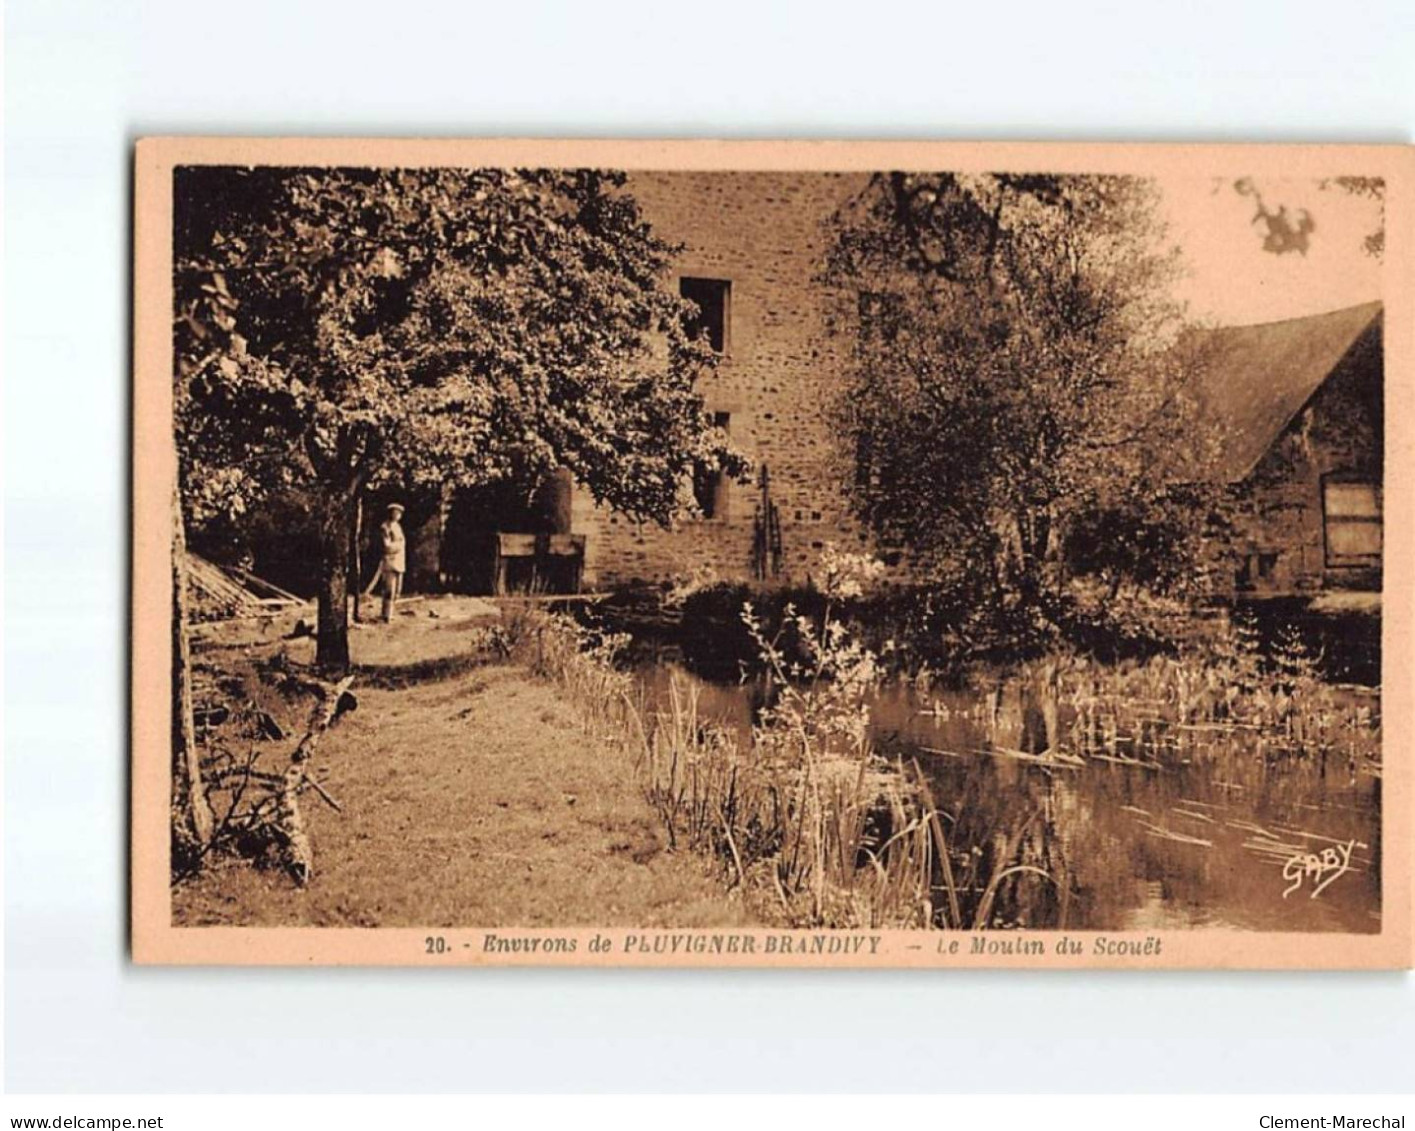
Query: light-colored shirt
(395, 558)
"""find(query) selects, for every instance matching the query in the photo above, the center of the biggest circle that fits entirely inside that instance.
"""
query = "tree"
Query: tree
(1017, 366)
(1373, 189)
(339, 328)
(1283, 231)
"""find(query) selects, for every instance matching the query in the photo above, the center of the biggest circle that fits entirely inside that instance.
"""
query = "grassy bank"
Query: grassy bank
(471, 794)
(804, 818)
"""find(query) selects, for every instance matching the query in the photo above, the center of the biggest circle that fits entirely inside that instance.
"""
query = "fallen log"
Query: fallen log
(298, 852)
(339, 702)
(235, 592)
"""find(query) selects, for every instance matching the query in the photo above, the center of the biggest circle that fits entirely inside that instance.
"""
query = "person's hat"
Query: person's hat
(395, 507)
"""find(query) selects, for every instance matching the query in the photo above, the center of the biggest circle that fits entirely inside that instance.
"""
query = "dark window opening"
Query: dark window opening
(709, 480)
(712, 298)
(1255, 567)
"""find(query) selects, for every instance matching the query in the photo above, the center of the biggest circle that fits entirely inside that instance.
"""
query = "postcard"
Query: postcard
(849, 554)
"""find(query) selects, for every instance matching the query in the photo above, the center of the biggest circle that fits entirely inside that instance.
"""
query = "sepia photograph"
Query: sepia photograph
(850, 565)
(702, 553)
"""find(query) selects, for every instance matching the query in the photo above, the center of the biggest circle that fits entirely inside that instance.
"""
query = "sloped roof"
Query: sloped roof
(1257, 378)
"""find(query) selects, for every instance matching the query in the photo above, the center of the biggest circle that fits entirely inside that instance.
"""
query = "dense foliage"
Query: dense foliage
(1022, 398)
(338, 329)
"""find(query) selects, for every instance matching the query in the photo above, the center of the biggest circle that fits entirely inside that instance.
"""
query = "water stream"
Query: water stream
(1173, 827)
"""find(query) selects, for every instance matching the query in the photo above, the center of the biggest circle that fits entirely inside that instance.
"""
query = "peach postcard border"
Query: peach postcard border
(156, 941)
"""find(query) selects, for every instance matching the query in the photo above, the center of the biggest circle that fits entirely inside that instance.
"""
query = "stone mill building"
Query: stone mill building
(1298, 405)
(754, 244)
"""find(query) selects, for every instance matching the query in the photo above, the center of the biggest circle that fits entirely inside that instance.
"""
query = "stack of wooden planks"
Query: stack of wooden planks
(235, 592)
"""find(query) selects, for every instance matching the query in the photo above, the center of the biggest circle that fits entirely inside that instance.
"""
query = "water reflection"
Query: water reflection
(1163, 826)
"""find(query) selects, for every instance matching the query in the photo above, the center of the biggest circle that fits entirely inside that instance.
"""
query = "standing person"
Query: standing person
(395, 558)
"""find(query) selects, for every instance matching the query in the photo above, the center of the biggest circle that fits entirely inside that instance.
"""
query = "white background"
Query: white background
(84, 79)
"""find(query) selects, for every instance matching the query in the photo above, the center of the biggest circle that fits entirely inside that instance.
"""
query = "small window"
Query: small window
(1256, 569)
(709, 481)
(1351, 510)
(712, 298)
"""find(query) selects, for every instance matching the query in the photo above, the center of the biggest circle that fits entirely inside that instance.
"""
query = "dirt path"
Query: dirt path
(470, 799)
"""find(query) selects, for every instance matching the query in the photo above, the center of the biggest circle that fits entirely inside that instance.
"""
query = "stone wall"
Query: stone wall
(765, 234)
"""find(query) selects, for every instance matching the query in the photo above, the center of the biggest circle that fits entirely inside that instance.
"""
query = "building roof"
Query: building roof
(1257, 378)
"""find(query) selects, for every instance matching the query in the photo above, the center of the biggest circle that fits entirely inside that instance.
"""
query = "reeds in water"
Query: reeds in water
(803, 814)
(1219, 697)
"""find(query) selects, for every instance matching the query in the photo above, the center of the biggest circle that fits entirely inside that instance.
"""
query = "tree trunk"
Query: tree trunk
(192, 820)
(1034, 542)
(356, 558)
(332, 642)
